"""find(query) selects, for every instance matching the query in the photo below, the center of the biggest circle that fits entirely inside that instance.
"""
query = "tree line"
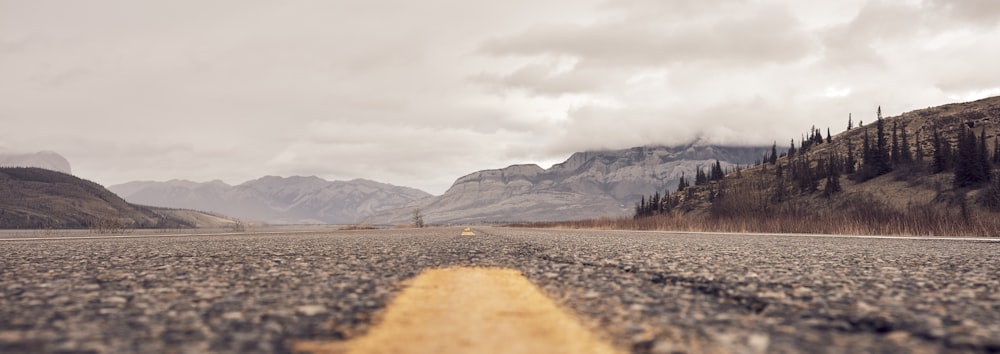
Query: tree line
(883, 150)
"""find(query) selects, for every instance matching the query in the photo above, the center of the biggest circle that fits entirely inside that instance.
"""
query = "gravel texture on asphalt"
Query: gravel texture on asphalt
(645, 292)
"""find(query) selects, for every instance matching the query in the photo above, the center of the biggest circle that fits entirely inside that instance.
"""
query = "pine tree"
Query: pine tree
(851, 163)
(817, 137)
(866, 152)
(905, 156)
(717, 172)
(881, 160)
(791, 150)
(996, 150)
(850, 123)
(832, 179)
(829, 138)
(969, 169)
(983, 157)
(780, 187)
(941, 153)
(683, 183)
(773, 158)
(895, 146)
(700, 177)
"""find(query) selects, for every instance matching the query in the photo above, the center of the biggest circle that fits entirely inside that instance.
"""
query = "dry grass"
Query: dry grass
(920, 221)
(357, 227)
(885, 206)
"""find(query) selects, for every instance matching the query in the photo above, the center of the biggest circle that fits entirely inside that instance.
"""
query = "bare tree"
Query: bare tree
(418, 218)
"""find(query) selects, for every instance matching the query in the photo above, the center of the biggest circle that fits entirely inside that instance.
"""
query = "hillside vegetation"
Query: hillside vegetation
(926, 172)
(35, 198)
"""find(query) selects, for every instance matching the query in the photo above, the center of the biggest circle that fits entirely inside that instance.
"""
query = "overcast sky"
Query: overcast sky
(419, 93)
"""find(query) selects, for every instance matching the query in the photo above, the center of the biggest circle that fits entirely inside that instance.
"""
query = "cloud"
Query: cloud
(981, 12)
(402, 153)
(551, 78)
(419, 93)
(761, 35)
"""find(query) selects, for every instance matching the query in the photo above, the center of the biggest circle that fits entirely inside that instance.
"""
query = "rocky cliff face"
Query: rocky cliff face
(46, 159)
(587, 185)
(278, 200)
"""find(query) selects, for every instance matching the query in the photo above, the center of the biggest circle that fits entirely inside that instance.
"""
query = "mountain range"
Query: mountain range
(587, 185)
(277, 200)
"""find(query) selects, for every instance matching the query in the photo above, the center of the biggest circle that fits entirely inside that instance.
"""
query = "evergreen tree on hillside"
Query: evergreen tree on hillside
(866, 150)
(832, 178)
(851, 162)
(942, 153)
(829, 138)
(850, 124)
(780, 186)
(817, 137)
(983, 155)
(700, 177)
(717, 172)
(875, 159)
(773, 158)
(996, 150)
(791, 150)
(895, 146)
(683, 183)
(905, 156)
(969, 169)
(881, 163)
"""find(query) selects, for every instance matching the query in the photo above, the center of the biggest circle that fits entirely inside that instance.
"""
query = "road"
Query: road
(638, 291)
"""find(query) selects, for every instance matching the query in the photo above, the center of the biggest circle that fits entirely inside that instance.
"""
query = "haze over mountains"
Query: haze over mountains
(588, 184)
(44, 159)
(278, 200)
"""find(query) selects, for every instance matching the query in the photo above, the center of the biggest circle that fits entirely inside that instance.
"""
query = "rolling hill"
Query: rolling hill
(835, 186)
(36, 198)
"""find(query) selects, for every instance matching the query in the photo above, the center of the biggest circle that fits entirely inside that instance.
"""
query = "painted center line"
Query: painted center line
(470, 310)
(468, 232)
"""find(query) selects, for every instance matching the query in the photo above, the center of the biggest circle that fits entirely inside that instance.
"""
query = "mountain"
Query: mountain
(588, 184)
(36, 198)
(277, 200)
(914, 184)
(44, 159)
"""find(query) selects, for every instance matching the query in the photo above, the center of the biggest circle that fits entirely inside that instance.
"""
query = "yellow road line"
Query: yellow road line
(470, 310)
(468, 232)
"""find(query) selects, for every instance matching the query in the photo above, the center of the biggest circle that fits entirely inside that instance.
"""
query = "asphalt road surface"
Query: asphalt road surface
(640, 291)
